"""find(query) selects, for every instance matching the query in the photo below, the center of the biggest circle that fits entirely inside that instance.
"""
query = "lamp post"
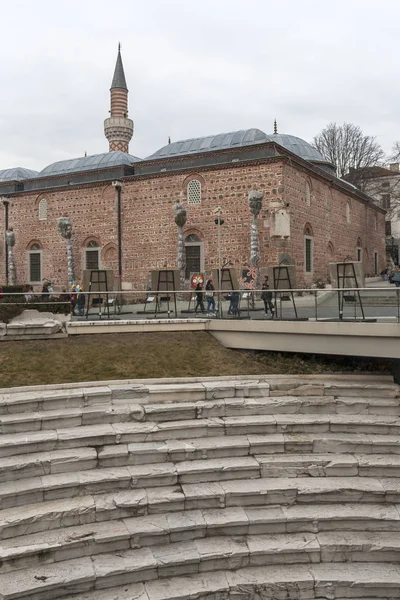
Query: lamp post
(118, 186)
(6, 203)
(219, 221)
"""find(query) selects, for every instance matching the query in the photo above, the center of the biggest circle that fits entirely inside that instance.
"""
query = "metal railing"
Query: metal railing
(356, 304)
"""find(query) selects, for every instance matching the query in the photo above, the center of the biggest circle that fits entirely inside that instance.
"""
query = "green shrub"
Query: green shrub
(9, 311)
(12, 289)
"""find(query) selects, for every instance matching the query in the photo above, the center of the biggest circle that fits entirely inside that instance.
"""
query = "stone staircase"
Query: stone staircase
(283, 488)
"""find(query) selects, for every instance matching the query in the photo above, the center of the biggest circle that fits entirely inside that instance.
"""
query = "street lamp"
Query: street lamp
(219, 221)
(6, 202)
(118, 186)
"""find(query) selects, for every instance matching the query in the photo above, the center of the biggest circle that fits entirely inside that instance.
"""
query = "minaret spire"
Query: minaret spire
(275, 127)
(118, 129)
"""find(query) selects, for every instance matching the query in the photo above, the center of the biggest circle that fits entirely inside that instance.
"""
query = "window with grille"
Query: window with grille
(43, 209)
(92, 256)
(193, 260)
(386, 201)
(308, 194)
(376, 262)
(308, 252)
(194, 192)
(359, 254)
(35, 264)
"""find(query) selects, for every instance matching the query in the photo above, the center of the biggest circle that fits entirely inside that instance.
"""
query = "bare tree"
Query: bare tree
(395, 156)
(350, 150)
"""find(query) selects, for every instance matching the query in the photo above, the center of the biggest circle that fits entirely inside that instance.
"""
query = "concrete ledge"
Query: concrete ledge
(324, 337)
(366, 378)
(109, 326)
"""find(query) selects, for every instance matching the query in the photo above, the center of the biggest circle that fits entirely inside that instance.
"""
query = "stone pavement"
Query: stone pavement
(284, 487)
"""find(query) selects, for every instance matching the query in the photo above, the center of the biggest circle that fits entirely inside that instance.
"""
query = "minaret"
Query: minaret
(118, 129)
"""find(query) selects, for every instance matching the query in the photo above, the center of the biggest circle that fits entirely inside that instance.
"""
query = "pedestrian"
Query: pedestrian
(199, 298)
(210, 296)
(266, 297)
(396, 276)
(64, 296)
(73, 298)
(28, 293)
(81, 300)
(234, 298)
(45, 290)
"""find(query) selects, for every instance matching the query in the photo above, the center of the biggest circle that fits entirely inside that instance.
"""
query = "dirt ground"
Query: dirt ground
(145, 355)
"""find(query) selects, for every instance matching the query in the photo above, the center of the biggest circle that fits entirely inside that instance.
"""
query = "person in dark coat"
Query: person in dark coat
(210, 296)
(199, 298)
(80, 302)
(266, 297)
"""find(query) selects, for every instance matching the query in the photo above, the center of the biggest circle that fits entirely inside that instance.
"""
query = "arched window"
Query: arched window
(308, 249)
(194, 191)
(308, 194)
(92, 256)
(331, 251)
(194, 255)
(348, 212)
(43, 209)
(35, 263)
(359, 250)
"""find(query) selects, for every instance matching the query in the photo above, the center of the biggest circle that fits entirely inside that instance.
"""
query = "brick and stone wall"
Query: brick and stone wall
(149, 233)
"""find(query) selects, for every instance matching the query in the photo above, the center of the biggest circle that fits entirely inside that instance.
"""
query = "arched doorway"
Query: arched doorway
(194, 255)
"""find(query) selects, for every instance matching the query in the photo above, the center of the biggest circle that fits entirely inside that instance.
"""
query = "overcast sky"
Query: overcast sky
(193, 68)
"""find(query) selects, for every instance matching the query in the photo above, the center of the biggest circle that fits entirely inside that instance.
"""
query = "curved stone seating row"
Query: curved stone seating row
(123, 485)
(347, 524)
(32, 400)
(260, 471)
(121, 433)
(85, 579)
(19, 418)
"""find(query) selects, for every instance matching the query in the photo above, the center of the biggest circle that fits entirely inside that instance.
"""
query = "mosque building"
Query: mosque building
(121, 207)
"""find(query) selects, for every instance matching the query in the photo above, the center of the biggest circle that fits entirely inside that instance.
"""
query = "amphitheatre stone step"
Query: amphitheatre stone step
(17, 422)
(96, 538)
(71, 396)
(329, 465)
(47, 463)
(66, 481)
(334, 581)
(97, 481)
(134, 432)
(31, 400)
(29, 461)
(155, 500)
(171, 568)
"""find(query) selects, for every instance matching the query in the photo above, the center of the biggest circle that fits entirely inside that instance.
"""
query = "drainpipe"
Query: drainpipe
(118, 187)
(6, 203)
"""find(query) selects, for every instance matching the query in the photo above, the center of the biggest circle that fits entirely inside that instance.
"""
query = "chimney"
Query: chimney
(394, 166)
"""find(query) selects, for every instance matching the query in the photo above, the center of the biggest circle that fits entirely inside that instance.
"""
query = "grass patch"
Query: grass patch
(145, 355)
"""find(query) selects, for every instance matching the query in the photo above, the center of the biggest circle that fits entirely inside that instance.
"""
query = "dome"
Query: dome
(222, 141)
(235, 139)
(17, 174)
(107, 160)
(298, 146)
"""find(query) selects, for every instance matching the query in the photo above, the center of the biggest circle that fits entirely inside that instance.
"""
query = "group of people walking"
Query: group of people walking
(210, 289)
(234, 297)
